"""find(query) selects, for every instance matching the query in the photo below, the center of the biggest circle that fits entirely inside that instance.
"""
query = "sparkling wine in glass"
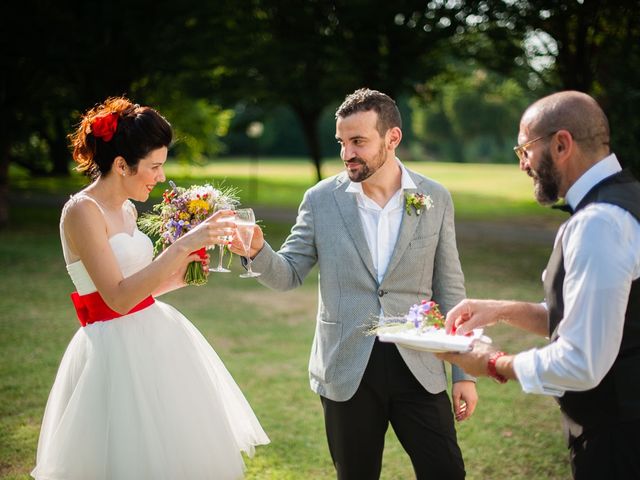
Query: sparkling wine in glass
(220, 268)
(245, 222)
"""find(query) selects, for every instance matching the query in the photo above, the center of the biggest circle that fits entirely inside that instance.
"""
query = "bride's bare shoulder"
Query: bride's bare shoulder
(81, 211)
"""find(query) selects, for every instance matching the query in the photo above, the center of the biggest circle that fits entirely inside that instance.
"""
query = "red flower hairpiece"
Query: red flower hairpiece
(105, 126)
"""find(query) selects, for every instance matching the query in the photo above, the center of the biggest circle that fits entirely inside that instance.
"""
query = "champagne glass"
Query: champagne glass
(245, 222)
(220, 268)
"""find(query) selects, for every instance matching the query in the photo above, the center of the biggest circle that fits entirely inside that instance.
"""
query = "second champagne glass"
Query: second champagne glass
(245, 223)
(220, 268)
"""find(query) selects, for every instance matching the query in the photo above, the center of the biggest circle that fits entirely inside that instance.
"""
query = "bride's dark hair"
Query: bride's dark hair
(117, 127)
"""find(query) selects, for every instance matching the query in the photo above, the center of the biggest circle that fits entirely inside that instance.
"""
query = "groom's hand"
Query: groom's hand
(257, 242)
(465, 399)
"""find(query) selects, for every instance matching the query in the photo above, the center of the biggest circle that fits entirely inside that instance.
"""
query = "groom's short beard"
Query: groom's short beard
(546, 180)
(367, 170)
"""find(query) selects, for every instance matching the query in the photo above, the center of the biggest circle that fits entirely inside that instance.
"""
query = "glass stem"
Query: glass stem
(220, 256)
(249, 261)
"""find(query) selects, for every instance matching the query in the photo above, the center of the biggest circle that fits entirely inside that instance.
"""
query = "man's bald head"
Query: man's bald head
(574, 111)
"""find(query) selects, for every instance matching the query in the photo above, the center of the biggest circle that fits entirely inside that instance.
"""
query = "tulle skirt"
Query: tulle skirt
(144, 396)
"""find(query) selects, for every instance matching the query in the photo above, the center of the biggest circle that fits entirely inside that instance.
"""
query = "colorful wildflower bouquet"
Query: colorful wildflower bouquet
(181, 210)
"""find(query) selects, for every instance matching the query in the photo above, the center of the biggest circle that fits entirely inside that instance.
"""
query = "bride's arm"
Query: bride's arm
(86, 231)
(176, 280)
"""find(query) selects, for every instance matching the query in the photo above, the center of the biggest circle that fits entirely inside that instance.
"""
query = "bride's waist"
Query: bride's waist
(91, 308)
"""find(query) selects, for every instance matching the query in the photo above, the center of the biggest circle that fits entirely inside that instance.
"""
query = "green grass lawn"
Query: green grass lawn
(264, 337)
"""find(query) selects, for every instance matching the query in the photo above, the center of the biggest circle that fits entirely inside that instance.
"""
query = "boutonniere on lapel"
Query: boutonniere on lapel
(417, 201)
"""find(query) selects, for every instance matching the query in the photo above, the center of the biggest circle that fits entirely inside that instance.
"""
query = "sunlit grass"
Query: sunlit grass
(264, 339)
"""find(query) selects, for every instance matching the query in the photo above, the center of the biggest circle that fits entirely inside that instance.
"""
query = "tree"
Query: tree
(192, 56)
(76, 54)
(313, 54)
(587, 45)
(595, 48)
(470, 107)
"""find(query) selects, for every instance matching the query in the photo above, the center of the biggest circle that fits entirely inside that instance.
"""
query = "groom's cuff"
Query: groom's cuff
(244, 261)
(459, 375)
(261, 260)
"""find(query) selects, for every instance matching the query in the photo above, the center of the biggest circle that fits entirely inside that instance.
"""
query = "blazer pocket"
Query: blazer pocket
(324, 322)
(424, 242)
(326, 345)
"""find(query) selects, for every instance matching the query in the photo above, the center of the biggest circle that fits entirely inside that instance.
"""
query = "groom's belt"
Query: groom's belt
(92, 308)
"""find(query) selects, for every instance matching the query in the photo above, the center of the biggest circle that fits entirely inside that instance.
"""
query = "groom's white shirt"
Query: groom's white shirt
(382, 224)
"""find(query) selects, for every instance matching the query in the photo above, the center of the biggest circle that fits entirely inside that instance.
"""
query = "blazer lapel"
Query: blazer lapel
(407, 231)
(349, 211)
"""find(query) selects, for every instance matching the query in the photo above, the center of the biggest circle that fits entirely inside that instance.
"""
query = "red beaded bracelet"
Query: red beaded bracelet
(491, 367)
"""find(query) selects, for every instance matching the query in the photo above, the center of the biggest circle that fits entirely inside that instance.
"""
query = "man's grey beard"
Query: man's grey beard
(546, 180)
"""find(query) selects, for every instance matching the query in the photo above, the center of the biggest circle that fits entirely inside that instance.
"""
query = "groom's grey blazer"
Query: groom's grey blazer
(424, 265)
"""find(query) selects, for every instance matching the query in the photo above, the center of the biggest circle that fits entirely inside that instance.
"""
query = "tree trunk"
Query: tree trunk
(4, 184)
(309, 121)
(59, 152)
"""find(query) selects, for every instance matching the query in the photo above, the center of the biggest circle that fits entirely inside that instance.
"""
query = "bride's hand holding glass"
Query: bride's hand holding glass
(213, 231)
(219, 268)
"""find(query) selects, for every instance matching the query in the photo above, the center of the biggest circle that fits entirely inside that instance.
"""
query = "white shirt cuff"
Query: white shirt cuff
(525, 367)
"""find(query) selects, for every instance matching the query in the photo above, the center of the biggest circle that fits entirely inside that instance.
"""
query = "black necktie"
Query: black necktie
(565, 207)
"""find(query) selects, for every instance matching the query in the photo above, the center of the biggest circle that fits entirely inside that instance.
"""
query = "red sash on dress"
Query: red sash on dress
(91, 308)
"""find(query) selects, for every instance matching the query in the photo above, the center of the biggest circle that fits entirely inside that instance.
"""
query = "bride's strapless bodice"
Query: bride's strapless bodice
(132, 252)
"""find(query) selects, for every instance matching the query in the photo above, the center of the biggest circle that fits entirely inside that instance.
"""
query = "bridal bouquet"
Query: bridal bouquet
(181, 210)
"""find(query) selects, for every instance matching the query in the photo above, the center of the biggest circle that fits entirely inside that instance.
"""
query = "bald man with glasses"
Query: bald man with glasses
(591, 312)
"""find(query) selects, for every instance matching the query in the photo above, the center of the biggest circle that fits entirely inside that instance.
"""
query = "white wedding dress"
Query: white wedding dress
(143, 396)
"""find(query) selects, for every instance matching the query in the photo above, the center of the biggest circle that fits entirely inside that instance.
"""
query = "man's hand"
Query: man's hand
(257, 242)
(470, 314)
(476, 361)
(465, 399)
(473, 362)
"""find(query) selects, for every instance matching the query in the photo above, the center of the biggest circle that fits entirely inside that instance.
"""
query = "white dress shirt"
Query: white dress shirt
(382, 224)
(601, 246)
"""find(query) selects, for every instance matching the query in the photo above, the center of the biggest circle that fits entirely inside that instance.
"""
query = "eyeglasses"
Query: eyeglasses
(521, 150)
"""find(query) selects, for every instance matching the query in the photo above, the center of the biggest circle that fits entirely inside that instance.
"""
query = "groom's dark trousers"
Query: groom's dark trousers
(389, 393)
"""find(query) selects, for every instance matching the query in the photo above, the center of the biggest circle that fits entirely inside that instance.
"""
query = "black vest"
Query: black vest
(617, 397)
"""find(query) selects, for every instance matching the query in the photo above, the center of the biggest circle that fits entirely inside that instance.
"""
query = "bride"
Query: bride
(139, 394)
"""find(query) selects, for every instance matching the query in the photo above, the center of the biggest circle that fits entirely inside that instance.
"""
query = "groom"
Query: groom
(375, 257)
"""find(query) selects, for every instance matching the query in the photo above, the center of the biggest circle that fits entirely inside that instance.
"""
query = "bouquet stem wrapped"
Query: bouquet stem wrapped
(195, 274)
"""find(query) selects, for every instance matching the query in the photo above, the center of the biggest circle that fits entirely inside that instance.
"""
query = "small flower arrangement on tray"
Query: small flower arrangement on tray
(422, 328)
(181, 210)
(421, 316)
